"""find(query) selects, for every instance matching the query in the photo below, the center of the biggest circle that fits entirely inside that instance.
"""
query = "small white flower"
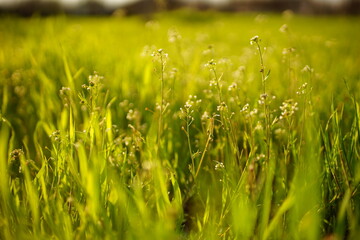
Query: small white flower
(284, 28)
(254, 39)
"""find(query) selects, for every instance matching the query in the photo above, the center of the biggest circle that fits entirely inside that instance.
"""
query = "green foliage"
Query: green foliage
(185, 126)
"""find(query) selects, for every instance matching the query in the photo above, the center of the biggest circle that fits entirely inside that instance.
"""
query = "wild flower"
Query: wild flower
(55, 136)
(248, 113)
(147, 50)
(125, 104)
(232, 86)
(215, 79)
(64, 91)
(192, 101)
(253, 112)
(302, 90)
(219, 166)
(259, 126)
(189, 107)
(187, 116)
(65, 95)
(254, 40)
(307, 68)
(262, 99)
(132, 115)
(211, 63)
(173, 35)
(127, 140)
(205, 116)
(213, 82)
(94, 87)
(284, 28)
(222, 107)
(245, 108)
(160, 55)
(288, 50)
(288, 108)
(95, 80)
(260, 157)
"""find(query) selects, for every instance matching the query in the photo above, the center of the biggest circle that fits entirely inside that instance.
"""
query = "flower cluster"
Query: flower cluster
(302, 90)
(65, 94)
(64, 91)
(173, 35)
(288, 108)
(222, 107)
(94, 83)
(262, 99)
(160, 55)
(288, 50)
(248, 113)
(55, 136)
(265, 98)
(132, 115)
(255, 40)
(211, 64)
(192, 101)
(233, 86)
(219, 166)
(284, 28)
(205, 116)
(307, 68)
(190, 104)
(148, 51)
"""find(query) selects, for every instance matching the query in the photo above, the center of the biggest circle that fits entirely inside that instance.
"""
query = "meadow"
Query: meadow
(180, 125)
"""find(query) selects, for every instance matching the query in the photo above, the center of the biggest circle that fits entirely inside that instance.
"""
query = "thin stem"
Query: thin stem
(262, 70)
(188, 123)
(217, 84)
(211, 129)
(266, 106)
(162, 99)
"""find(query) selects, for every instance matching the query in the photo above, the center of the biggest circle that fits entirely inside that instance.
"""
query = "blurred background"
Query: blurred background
(131, 7)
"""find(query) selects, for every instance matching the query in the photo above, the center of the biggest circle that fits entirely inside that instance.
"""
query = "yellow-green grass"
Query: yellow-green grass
(179, 126)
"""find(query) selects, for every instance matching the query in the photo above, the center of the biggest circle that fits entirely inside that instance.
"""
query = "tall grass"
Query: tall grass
(178, 128)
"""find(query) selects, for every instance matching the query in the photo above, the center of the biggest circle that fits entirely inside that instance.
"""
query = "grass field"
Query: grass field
(180, 126)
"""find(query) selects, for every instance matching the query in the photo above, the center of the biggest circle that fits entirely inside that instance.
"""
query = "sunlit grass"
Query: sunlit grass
(183, 126)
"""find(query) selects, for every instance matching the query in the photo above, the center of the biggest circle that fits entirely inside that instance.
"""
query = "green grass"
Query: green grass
(104, 136)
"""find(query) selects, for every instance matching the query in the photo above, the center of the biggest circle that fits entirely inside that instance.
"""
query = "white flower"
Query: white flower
(254, 39)
(284, 28)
